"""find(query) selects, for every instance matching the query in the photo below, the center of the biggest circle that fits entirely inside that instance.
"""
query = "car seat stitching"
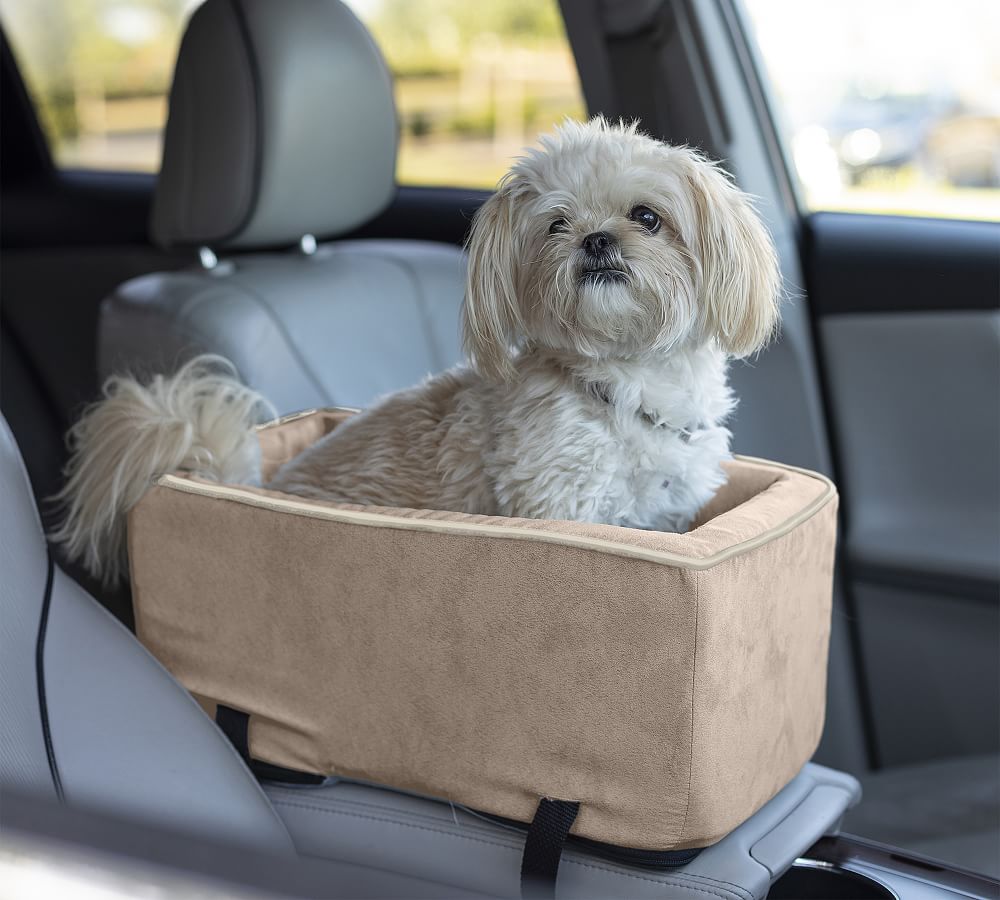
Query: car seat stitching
(364, 804)
(43, 706)
(279, 327)
(701, 877)
(355, 815)
(675, 879)
(422, 308)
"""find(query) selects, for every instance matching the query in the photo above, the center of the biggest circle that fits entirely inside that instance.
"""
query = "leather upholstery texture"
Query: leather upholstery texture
(125, 737)
(446, 843)
(129, 739)
(24, 569)
(281, 123)
(355, 320)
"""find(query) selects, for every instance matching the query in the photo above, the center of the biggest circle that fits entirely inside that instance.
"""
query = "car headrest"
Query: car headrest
(281, 123)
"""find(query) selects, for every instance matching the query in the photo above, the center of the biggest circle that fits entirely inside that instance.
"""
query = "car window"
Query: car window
(98, 72)
(474, 82)
(887, 106)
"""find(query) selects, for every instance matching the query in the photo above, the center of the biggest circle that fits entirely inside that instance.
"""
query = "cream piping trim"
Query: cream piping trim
(378, 520)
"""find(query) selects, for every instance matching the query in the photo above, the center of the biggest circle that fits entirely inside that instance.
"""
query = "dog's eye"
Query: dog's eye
(559, 225)
(645, 217)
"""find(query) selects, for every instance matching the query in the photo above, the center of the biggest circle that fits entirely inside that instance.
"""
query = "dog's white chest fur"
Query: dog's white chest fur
(630, 444)
(637, 444)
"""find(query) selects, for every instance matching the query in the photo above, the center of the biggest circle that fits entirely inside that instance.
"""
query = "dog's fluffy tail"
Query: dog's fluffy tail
(200, 420)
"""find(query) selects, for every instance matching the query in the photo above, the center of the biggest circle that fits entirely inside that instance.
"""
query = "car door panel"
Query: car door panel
(931, 661)
(865, 263)
(909, 339)
(914, 397)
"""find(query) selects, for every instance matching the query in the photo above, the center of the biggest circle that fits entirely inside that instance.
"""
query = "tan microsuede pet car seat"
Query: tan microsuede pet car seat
(669, 683)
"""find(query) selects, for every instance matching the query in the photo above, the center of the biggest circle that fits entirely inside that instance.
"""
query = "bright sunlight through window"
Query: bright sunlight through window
(888, 106)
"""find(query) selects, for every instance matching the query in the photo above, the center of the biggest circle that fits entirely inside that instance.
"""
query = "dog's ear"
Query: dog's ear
(491, 319)
(739, 278)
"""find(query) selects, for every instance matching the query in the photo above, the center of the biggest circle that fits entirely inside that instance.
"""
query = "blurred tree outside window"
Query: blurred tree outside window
(887, 106)
(475, 82)
(98, 72)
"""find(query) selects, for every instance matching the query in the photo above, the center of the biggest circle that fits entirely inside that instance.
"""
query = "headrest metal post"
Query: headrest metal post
(207, 258)
(307, 244)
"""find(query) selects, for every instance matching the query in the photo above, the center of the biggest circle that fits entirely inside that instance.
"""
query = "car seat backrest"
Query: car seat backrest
(282, 129)
(89, 716)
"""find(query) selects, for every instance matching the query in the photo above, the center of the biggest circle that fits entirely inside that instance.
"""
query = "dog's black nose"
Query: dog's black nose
(595, 244)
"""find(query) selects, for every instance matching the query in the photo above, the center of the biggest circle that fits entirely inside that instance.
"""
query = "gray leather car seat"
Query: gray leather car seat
(89, 716)
(282, 127)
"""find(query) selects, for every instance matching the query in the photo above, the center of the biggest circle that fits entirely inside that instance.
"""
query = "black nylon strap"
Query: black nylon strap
(544, 845)
(236, 726)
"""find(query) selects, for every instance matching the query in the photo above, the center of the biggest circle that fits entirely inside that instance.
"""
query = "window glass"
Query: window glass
(475, 82)
(98, 72)
(888, 106)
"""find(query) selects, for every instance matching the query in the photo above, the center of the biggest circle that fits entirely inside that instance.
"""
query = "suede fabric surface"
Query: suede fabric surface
(672, 683)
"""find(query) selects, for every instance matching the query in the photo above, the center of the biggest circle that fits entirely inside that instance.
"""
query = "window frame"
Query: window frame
(25, 147)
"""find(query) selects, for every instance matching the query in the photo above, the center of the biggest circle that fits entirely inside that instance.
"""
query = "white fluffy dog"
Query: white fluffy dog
(610, 278)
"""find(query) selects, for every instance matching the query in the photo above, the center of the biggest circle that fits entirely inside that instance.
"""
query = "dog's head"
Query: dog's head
(608, 243)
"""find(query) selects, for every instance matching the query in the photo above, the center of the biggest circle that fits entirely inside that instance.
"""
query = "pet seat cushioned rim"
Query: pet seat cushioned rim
(385, 517)
(775, 726)
(597, 537)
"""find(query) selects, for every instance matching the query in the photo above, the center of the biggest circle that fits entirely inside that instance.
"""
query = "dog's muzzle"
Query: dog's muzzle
(601, 263)
(604, 276)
